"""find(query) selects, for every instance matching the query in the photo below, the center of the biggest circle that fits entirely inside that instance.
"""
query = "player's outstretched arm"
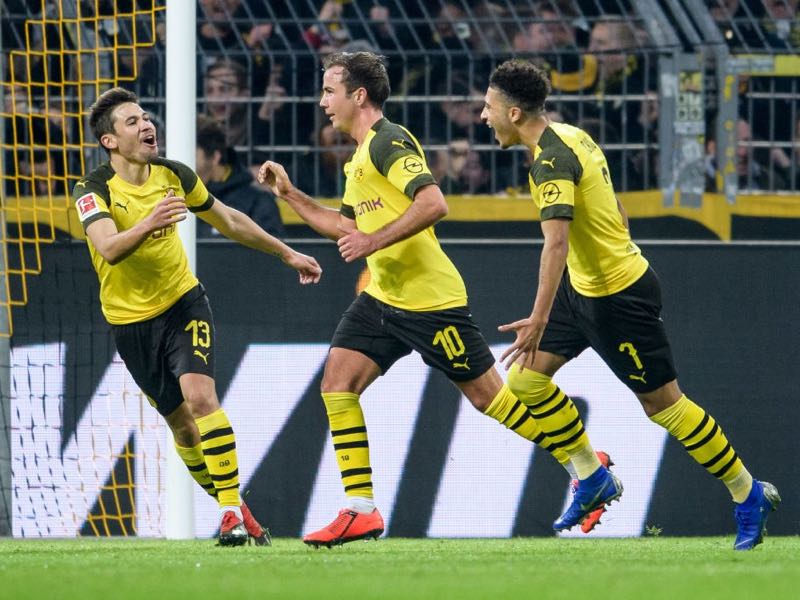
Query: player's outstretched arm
(115, 246)
(322, 219)
(529, 331)
(237, 226)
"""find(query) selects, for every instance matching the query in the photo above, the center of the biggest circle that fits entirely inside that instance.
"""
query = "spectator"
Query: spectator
(44, 179)
(780, 24)
(459, 116)
(552, 38)
(459, 169)
(752, 174)
(624, 92)
(334, 149)
(230, 103)
(220, 171)
(732, 22)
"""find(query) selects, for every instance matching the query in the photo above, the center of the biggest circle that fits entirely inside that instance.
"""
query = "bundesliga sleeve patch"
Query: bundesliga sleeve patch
(87, 206)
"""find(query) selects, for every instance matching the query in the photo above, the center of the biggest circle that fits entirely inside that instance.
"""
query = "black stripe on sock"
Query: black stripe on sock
(361, 429)
(522, 420)
(208, 486)
(357, 486)
(539, 438)
(230, 487)
(564, 429)
(196, 468)
(553, 410)
(359, 471)
(727, 467)
(549, 398)
(697, 429)
(225, 476)
(215, 433)
(219, 449)
(346, 445)
(705, 440)
(719, 456)
(568, 441)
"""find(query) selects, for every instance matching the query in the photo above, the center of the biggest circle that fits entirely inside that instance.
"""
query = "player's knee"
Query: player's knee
(201, 402)
(528, 385)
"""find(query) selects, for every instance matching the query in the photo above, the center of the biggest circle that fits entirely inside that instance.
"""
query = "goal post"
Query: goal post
(181, 122)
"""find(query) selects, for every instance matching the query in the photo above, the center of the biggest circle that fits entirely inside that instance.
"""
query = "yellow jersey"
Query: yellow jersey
(157, 273)
(570, 179)
(382, 176)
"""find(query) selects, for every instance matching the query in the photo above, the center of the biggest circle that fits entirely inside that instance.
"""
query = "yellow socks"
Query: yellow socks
(219, 450)
(511, 412)
(556, 414)
(196, 463)
(703, 439)
(349, 433)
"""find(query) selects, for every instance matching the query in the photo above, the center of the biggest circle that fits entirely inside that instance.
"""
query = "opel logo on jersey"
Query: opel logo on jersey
(550, 193)
(413, 164)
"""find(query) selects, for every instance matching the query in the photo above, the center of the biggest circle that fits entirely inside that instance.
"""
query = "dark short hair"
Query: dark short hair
(211, 138)
(238, 70)
(523, 83)
(362, 69)
(101, 113)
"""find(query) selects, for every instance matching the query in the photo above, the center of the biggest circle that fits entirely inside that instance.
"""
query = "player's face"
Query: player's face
(134, 134)
(495, 115)
(339, 106)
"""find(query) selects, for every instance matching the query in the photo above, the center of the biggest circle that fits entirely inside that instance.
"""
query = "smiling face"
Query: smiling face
(340, 106)
(497, 115)
(134, 136)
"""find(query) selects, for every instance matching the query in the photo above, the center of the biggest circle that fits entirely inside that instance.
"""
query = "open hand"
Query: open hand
(523, 350)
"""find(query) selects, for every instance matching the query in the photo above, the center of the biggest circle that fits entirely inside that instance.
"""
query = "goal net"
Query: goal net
(80, 432)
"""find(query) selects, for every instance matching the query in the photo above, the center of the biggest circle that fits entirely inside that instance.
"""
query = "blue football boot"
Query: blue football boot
(751, 515)
(599, 489)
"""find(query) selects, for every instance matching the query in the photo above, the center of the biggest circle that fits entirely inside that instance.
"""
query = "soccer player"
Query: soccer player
(596, 289)
(415, 300)
(159, 313)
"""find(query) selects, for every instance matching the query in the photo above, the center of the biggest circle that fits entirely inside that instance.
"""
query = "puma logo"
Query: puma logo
(550, 163)
(464, 365)
(203, 356)
(122, 206)
(400, 143)
(639, 377)
(81, 184)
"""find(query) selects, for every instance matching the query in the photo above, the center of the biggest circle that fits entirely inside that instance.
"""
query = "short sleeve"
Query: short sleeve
(91, 201)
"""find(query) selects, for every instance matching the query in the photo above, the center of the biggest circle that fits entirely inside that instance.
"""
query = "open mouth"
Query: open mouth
(150, 140)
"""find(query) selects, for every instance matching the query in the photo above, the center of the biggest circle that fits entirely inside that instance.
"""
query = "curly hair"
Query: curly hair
(523, 83)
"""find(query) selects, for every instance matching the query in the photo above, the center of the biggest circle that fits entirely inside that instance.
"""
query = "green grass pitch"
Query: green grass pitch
(644, 568)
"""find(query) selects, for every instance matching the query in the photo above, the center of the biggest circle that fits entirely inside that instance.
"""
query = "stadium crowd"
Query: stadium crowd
(259, 68)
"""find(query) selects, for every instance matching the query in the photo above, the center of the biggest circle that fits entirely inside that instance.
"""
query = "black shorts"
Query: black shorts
(625, 329)
(158, 351)
(447, 340)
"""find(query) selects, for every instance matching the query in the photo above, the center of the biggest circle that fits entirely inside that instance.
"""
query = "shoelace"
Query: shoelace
(226, 520)
(743, 517)
(345, 518)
